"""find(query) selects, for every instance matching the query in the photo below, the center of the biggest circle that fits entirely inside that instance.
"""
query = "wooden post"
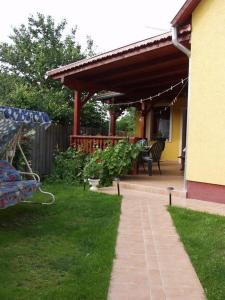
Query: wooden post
(76, 113)
(112, 120)
(143, 120)
(112, 123)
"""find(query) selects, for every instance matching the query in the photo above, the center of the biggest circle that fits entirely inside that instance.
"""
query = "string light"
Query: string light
(176, 98)
(150, 98)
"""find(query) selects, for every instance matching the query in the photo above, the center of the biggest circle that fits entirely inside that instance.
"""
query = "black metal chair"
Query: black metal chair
(144, 152)
(154, 155)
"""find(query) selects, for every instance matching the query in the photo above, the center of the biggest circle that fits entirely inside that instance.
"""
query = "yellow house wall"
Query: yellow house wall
(137, 124)
(206, 132)
(173, 147)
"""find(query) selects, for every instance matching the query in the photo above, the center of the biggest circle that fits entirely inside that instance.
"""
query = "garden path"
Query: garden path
(150, 262)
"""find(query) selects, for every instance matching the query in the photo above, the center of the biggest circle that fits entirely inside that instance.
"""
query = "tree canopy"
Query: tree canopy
(34, 49)
(126, 123)
(38, 47)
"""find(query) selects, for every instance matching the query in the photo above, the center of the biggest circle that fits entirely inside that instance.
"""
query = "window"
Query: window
(161, 123)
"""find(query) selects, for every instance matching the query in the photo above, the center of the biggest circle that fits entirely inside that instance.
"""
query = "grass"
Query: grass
(203, 236)
(64, 251)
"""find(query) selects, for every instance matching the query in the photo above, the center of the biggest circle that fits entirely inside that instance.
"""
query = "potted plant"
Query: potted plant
(93, 172)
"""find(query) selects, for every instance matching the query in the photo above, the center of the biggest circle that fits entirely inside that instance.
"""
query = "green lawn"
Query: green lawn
(203, 236)
(64, 251)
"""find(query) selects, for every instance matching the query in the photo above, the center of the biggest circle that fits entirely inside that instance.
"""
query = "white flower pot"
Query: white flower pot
(94, 184)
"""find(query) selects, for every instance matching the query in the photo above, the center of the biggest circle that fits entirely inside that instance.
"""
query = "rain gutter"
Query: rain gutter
(187, 52)
(177, 44)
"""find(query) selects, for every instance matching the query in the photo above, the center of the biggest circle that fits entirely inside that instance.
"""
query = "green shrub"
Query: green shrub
(94, 167)
(112, 162)
(118, 160)
(69, 166)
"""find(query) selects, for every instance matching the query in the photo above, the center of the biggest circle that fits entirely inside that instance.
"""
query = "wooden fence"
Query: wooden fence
(88, 144)
(57, 137)
(45, 144)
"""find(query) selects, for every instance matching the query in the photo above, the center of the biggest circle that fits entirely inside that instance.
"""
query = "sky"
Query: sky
(110, 23)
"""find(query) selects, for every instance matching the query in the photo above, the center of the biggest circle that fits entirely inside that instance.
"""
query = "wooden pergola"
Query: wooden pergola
(131, 73)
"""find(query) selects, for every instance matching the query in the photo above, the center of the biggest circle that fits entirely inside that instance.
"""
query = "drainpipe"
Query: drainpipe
(187, 52)
(177, 44)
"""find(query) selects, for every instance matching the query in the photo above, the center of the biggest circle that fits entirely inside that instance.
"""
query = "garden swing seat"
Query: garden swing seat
(14, 188)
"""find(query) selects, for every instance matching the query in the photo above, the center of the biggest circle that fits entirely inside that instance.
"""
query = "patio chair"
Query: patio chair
(155, 153)
(144, 152)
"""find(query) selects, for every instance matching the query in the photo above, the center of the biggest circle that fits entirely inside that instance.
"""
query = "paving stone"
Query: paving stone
(151, 262)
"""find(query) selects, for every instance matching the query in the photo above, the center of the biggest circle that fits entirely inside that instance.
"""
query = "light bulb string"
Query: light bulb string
(176, 98)
(150, 98)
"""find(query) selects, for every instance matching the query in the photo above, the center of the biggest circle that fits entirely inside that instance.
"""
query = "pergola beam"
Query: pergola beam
(150, 78)
(77, 84)
(159, 82)
(138, 70)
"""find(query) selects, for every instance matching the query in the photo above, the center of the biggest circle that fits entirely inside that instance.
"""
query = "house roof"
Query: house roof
(110, 54)
(136, 70)
(138, 46)
(184, 14)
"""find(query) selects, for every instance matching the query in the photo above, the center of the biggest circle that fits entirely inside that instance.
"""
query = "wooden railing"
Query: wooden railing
(89, 143)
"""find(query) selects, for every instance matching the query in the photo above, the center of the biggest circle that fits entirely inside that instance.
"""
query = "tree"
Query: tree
(126, 123)
(7, 85)
(94, 115)
(35, 49)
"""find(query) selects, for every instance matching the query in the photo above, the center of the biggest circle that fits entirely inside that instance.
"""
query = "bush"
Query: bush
(94, 167)
(69, 166)
(118, 160)
(112, 162)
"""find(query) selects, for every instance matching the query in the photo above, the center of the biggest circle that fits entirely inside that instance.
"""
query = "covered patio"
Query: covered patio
(147, 75)
(172, 176)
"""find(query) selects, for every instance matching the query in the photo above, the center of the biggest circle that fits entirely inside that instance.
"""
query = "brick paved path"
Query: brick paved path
(150, 262)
